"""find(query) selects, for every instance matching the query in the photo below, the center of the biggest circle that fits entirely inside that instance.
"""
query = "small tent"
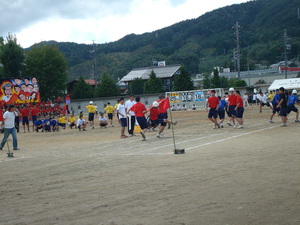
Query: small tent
(288, 84)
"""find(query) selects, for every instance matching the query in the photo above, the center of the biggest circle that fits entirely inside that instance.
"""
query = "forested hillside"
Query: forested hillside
(199, 44)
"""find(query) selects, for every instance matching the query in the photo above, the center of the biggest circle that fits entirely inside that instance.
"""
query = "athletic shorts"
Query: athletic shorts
(283, 111)
(34, 118)
(267, 104)
(91, 116)
(25, 120)
(123, 122)
(110, 116)
(154, 123)
(62, 124)
(161, 118)
(275, 109)
(232, 111)
(142, 122)
(221, 113)
(240, 112)
(291, 108)
(213, 113)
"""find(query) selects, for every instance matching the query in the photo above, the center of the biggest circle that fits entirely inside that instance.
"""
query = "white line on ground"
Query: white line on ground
(225, 139)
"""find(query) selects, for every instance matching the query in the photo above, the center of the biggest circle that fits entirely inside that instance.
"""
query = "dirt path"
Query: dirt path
(227, 176)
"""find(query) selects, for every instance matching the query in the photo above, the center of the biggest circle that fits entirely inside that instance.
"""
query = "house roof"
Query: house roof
(143, 73)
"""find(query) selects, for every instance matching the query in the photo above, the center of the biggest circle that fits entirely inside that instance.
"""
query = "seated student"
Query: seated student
(81, 123)
(184, 108)
(194, 107)
(62, 121)
(71, 121)
(54, 125)
(46, 123)
(38, 124)
(102, 121)
(178, 107)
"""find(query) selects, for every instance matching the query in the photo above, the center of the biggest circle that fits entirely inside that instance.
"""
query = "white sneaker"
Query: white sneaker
(234, 126)
(283, 125)
(161, 134)
(271, 121)
(240, 127)
(229, 123)
(158, 135)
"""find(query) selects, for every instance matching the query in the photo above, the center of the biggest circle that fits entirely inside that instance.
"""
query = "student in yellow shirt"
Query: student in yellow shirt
(62, 121)
(92, 110)
(115, 109)
(110, 112)
(271, 96)
(72, 121)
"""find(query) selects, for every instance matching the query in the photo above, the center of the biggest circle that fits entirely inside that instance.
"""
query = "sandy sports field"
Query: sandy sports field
(226, 176)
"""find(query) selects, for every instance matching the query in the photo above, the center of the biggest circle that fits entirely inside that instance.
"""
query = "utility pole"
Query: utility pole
(238, 49)
(287, 47)
(94, 63)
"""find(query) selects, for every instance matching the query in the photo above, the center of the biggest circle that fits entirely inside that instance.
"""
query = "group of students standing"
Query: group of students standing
(233, 104)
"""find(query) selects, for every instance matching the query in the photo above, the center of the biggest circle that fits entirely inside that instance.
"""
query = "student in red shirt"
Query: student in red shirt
(231, 107)
(213, 104)
(25, 113)
(34, 113)
(239, 109)
(139, 110)
(154, 116)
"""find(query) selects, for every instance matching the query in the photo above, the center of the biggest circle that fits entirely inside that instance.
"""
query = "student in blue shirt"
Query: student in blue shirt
(38, 124)
(47, 126)
(53, 124)
(221, 110)
(275, 102)
(291, 105)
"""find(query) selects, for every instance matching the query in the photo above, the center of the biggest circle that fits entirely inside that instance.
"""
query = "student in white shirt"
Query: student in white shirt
(9, 126)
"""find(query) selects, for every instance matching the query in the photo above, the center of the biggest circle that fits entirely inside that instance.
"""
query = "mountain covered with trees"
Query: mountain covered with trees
(200, 44)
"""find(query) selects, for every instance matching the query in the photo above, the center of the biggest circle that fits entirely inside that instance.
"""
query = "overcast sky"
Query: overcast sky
(83, 21)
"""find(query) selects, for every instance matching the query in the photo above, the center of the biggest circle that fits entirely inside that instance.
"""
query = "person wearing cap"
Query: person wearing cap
(110, 112)
(275, 102)
(92, 110)
(130, 115)
(213, 104)
(283, 106)
(292, 100)
(155, 120)
(231, 107)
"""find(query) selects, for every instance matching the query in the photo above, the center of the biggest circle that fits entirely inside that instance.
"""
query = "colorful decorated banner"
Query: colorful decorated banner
(19, 90)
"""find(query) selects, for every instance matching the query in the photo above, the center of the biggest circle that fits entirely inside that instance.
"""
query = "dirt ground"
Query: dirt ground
(226, 176)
